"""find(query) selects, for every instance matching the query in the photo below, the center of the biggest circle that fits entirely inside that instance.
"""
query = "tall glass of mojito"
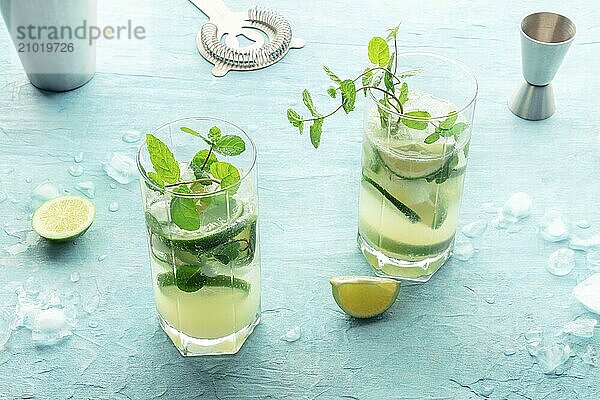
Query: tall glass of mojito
(199, 196)
(414, 158)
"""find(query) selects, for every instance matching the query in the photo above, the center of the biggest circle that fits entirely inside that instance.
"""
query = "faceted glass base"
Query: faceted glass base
(189, 346)
(418, 271)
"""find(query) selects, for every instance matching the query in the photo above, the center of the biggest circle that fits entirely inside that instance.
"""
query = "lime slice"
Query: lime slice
(364, 296)
(415, 160)
(63, 218)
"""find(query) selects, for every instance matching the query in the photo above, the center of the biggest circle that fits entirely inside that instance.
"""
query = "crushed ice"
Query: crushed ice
(554, 227)
(121, 168)
(561, 262)
(588, 293)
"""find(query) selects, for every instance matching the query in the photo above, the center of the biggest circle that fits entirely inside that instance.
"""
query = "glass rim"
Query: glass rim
(458, 64)
(154, 186)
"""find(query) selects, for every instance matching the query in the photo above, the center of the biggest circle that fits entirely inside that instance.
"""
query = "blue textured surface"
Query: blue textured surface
(441, 340)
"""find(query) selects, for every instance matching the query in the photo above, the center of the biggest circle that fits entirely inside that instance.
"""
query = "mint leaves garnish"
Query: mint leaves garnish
(382, 76)
(208, 171)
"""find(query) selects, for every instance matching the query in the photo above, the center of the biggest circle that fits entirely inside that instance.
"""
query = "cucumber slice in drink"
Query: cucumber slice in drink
(63, 218)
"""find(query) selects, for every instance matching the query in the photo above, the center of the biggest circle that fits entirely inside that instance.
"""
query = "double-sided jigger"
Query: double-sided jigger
(218, 40)
(545, 39)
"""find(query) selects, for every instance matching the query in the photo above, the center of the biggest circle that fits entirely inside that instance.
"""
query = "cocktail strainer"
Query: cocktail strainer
(218, 40)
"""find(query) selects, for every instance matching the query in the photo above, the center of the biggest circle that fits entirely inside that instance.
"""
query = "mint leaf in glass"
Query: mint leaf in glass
(184, 213)
(214, 133)
(227, 174)
(229, 145)
(420, 121)
(162, 159)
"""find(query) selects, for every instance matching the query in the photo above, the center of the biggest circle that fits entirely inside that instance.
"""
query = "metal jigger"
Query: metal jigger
(545, 39)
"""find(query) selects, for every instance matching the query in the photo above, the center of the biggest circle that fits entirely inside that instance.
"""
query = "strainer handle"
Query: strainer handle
(214, 9)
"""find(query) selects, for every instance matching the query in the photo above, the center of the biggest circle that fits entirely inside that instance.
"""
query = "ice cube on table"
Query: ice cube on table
(588, 293)
(590, 356)
(581, 327)
(121, 168)
(553, 355)
(44, 191)
(50, 326)
(76, 170)
(534, 340)
(463, 249)
(293, 334)
(88, 188)
(578, 243)
(554, 227)
(475, 229)
(132, 136)
(518, 205)
(561, 262)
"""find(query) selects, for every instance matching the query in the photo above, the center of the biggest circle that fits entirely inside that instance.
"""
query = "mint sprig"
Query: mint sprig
(208, 170)
(382, 76)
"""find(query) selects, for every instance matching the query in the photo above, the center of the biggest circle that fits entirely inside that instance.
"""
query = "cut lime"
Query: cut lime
(63, 218)
(415, 160)
(364, 296)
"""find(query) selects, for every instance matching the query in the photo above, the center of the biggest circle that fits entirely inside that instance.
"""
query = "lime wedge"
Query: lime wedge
(364, 296)
(415, 160)
(63, 218)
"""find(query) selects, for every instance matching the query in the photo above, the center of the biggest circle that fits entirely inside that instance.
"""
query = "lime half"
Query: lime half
(63, 218)
(364, 296)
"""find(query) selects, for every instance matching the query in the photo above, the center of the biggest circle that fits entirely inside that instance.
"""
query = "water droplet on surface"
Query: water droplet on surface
(14, 200)
(475, 229)
(509, 351)
(490, 300)
(121, 168)
(78, 157)
(561, 262)
(87, 188)
(3, 197)
(463, 249)
(486, 390)
(583, 223)
(554, 227)
(28, 179)
(93, 324)
(102, 257)
(113, 207)
(75, 276)
(293, 334)
(113, 185)
(131, 136)
(76, 170)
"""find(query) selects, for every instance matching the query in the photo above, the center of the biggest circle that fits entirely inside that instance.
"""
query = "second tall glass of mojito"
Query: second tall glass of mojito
(200, 201)
(413, 169)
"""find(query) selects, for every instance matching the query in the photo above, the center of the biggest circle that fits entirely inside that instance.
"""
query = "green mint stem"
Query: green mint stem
(391, 95)
(403, 208)
(207, 158)
(324, 116)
